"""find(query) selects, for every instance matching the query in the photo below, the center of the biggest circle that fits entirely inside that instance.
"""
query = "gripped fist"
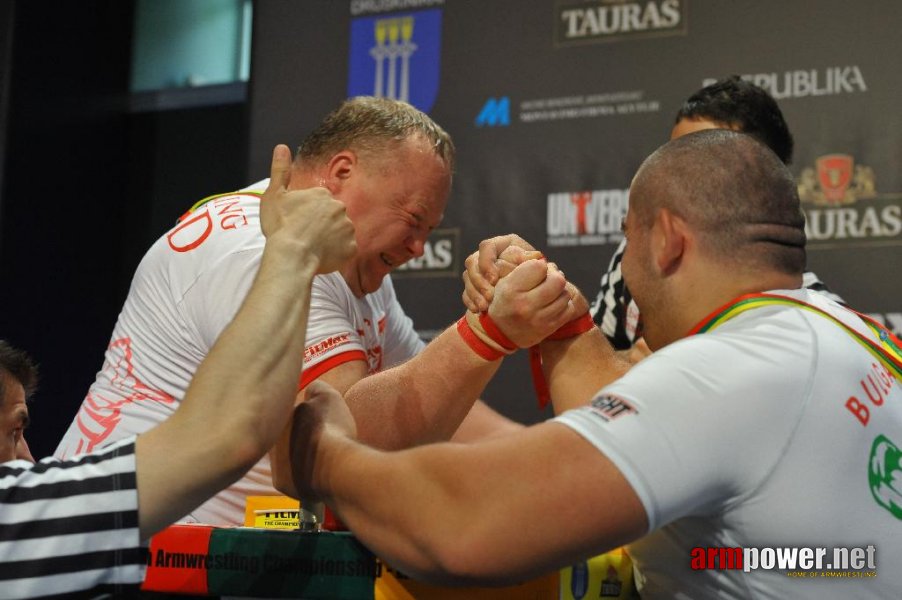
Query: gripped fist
(483, 269)
(511, 257)
(311, 218)
(531, 303)
(323, 413)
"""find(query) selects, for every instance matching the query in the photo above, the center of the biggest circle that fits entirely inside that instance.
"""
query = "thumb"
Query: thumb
(280, 171)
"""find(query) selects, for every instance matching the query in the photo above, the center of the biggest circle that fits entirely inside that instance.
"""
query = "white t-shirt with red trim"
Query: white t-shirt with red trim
(186, 290)
(776, 429)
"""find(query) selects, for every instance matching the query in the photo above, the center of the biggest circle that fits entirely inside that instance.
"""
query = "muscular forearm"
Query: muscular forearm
(419, 402)
(578, 367)
(400, 535)
(483, 422)
(498, 511)
(381, 497)
(423, 400)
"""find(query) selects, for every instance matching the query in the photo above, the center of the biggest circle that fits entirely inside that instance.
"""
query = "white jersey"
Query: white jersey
(186, 290)
(776, 429)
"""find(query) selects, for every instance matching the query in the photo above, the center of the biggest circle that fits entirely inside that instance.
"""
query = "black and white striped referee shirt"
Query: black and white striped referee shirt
(67, 527)
(617, 315)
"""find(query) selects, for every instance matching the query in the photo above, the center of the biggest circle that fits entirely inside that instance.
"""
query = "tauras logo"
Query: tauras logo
(440, 257)
(586, 218)
(841, 204)
(604, 20)
(801, 83)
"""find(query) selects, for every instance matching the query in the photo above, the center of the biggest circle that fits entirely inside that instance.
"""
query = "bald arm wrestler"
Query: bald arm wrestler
(680, 456)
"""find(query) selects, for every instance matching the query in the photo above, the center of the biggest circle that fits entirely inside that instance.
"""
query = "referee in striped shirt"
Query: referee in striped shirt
(71, 526)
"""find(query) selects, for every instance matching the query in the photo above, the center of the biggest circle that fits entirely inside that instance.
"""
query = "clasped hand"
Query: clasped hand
(526, 296)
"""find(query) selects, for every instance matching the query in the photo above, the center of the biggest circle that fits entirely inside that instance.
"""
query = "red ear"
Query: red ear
(340, 166)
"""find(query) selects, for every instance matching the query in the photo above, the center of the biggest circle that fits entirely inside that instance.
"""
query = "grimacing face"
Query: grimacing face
(394, 207)
(638, 267)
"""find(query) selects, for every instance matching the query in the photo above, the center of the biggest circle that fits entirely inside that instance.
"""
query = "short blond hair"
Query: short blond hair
(373, 125)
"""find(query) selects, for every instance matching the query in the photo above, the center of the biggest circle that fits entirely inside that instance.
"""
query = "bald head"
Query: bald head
(733, 191)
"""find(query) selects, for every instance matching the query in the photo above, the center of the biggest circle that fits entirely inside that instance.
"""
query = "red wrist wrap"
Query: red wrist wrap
(573, 328)
(538, 376)
(496, 334)
(476, 344)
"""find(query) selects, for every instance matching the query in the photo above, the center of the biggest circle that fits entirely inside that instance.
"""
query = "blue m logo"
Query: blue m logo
(495, 113)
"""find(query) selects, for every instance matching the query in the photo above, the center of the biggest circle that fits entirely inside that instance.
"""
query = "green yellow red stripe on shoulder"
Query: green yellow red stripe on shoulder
(204, 201)
(888, 350)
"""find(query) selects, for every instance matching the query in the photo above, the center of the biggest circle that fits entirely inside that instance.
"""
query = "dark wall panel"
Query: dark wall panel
(89, 185)
(65, 180)
(545, 103)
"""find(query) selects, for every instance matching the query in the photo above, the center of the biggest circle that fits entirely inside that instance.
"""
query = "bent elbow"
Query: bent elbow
(457, 561)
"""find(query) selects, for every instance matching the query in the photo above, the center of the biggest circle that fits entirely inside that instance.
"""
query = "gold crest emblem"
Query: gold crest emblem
(836, 180)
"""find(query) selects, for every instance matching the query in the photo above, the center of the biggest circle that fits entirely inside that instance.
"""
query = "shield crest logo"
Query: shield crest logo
(834, 173)
(396, 56)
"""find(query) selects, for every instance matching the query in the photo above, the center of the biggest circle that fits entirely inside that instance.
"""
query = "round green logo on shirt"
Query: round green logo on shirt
(885, 475)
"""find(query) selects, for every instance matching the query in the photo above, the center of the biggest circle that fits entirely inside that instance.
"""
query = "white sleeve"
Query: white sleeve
(330, 329)
(401, 340)
(684, 430)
